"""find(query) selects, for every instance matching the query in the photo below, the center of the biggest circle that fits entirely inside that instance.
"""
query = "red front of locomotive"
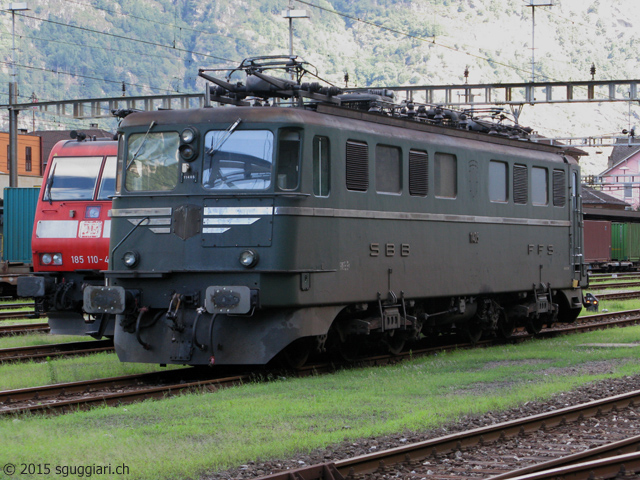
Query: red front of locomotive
(72, 224)
(70, 240)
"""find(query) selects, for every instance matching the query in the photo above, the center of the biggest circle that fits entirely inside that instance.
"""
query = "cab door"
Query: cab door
(576, 246)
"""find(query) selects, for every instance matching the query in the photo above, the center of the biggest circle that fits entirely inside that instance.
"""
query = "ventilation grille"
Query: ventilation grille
(357, 166)
(559, 190)
(520, 184)
(418, 173)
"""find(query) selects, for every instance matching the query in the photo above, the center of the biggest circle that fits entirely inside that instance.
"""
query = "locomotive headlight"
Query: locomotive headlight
(248, 258)
(46, 258)
(57, 259)
(187, 152)
(188, 144)
(131, 259)
(188, 135)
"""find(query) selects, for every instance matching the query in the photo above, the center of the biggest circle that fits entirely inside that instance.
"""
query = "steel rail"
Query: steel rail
(14, 315)
(43, 395)
(618, 296)
(51, 391)
(368, 464)
(9, 306)
(19, 329)
(614, 449)
(34, 352)
(607, 286)
(619, 466)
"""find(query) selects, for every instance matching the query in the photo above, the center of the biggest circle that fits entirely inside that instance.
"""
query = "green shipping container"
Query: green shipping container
(619, 250)
(17, 226)
(633, 240)
(625, 242)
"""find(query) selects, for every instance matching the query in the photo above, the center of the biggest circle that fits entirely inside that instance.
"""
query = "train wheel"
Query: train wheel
(534, 325)
(345, 350)
(505, 326)
(296, 354)
(569, 315)
(395, 342)
(472, 332)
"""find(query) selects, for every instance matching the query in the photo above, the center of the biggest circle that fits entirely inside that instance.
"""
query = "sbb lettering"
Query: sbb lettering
(390, 249)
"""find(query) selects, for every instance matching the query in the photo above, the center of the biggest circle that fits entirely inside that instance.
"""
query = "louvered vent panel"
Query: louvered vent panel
(357, 166)
(418, 173)
(520, 184)
(559, 189)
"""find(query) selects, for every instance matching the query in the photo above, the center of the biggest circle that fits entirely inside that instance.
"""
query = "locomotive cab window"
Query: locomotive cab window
(72, 178)
(539, 186)
(321, 167)
(121, 145)
(152, 161)
(498, 181)
(388, 169)
(288, 159)
(446, 175)
(241, 160)
(108, 180)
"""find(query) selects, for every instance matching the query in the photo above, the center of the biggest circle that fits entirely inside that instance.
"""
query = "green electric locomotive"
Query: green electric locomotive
(299, 219)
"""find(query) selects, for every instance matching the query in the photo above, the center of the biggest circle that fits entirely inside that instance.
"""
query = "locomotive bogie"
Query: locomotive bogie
(294, 229)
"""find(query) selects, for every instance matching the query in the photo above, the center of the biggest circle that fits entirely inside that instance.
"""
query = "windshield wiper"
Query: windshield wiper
(212, 151)
(135, 155)
(47, 191)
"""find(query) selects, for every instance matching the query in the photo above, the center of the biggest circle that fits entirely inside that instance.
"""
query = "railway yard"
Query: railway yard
(527, 434)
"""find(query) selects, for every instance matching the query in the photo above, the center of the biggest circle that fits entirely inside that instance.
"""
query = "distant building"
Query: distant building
(621, 179)
(592, 198)
(29, 161)
(33, 153)
(51, 137)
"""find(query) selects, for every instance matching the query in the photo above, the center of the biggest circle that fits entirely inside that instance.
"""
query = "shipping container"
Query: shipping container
(19, 212)
(619, 249)
(633, 241)
(597, 243)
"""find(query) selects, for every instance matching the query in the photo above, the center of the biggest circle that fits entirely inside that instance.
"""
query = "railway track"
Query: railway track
(35, 352)
(9, 306)
(607, 286)
(618, 295)
(62, 398)
(20, 329)
(567, 440)
(15, 315)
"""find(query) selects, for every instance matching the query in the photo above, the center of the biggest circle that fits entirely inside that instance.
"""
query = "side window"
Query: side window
(108, 180)
(498, 181)
(388, 169)
(27, 153)
(539, 186)
(520, 185)
(321, 167)
(418, 173)
(357, 166)
(288, 159)
(559, 189)
(446, 175)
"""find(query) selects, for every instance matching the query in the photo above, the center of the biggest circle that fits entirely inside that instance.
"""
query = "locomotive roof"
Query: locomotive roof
(313, 104)
(326, 115)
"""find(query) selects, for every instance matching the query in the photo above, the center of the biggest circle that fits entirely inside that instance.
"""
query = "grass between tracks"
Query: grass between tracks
(187, 436)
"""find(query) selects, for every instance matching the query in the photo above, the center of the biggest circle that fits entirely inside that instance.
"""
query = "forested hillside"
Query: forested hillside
(93, 48)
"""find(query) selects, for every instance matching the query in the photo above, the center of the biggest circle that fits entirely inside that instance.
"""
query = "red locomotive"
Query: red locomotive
(70, 239)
